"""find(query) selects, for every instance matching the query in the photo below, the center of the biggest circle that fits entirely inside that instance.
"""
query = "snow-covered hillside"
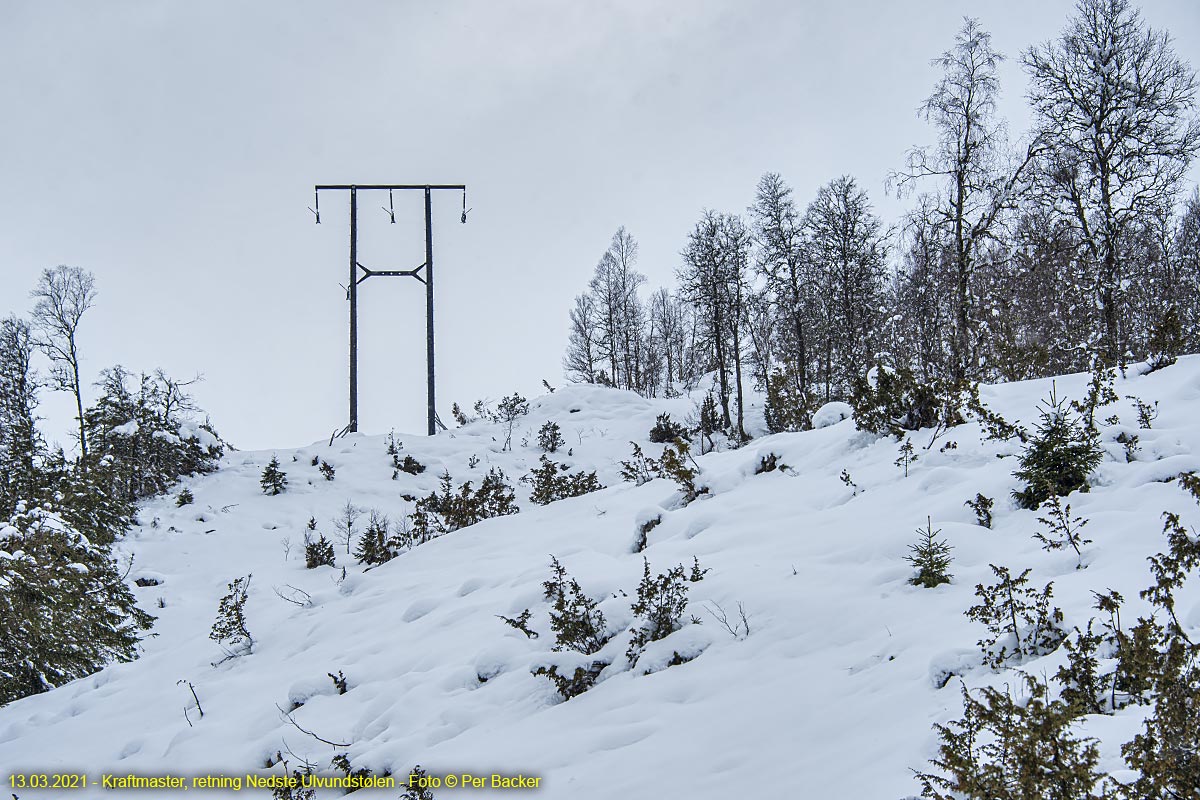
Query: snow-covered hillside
(831, 694)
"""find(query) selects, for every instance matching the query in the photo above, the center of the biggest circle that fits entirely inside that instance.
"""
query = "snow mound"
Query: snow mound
(832, 414)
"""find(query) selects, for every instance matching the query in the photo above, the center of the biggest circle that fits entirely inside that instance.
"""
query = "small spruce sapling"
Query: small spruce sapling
(229, 630)
(930, 557)
(550, 437)
(982, 506)
(1062, 529)
(374, 546)
(907, 456)
(327, 470)
(185, 498)
(318, 553)
(1059, 458)
(274, 480)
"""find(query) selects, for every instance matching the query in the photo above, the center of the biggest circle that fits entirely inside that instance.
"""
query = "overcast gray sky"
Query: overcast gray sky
(171, 149)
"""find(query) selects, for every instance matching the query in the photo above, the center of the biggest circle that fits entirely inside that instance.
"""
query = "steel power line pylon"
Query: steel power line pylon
(359, 273)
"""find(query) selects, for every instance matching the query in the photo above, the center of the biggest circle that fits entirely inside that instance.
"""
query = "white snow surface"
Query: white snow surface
(832, 693)
(831, 414)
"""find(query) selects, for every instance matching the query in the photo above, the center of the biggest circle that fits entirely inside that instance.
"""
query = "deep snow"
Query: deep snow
(832, 693)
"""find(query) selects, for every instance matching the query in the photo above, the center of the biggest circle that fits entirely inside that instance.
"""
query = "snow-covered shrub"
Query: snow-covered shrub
(1058, 458)
(445, 511)
(1021, 622)
(410, 465)
(1085, 686)
(674, 465)
(576, 621)
(768, 462)
(661, 601)
(184, 498)
(891, 401)
(666, 430)
(521, 623)
(553, 481)
(579, 626)
(646, 522)
(1160, 659)
(982, 506)
(640, 468)
(582, 679)
(550, 437)
(1005, 748)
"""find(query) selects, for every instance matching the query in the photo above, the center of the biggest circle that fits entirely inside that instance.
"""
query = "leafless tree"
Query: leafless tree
(1116, 107)
(979, 180)
(63, 295)
(344, 524)
(580, 362)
